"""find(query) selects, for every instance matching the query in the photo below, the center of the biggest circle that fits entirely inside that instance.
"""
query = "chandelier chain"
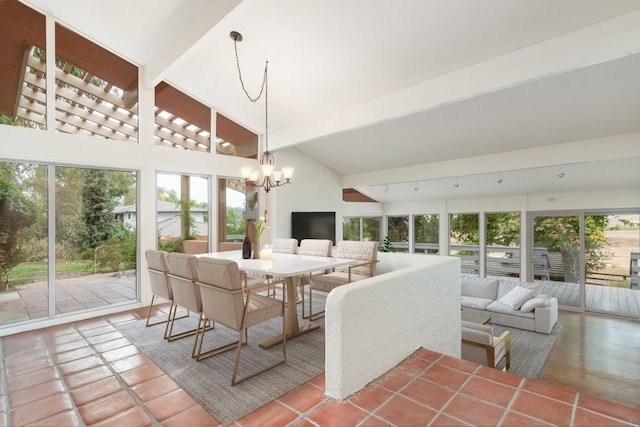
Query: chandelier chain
(264, 77)
(263, 89)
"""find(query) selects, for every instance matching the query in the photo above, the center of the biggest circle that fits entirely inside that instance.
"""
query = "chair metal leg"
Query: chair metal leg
(280, 362)
(168, 333)
(312, 315)
(153, 297)
(204, 324)
(199, 354)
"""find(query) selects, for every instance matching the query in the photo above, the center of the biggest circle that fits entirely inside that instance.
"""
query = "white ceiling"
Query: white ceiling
(369, 86)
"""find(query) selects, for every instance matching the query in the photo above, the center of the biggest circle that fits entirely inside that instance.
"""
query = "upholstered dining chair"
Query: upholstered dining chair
(312, 247)
(480, 346)
(367, 255)
(281, 246)
(183, 275)
(158, 267)
(227, 302)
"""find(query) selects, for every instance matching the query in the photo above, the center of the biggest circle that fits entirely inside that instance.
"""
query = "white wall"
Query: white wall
(373, 324)
(314, 187)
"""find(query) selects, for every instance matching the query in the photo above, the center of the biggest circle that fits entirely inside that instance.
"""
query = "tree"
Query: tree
(562, 234)
(17, 212)
(351, 228)
(85, 203)
(236, 224)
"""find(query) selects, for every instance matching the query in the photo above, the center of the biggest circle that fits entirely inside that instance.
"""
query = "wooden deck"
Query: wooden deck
(604, 299)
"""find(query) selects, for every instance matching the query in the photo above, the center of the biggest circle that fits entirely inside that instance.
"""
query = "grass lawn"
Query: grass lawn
(22, 273)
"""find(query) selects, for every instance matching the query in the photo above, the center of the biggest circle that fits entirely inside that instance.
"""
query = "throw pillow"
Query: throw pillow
(539, 301)
(516, 297)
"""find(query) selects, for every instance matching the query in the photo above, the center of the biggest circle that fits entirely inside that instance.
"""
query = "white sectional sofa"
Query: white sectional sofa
(509, 302)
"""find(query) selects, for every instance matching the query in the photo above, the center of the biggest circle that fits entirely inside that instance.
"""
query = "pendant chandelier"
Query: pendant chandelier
(270, 178)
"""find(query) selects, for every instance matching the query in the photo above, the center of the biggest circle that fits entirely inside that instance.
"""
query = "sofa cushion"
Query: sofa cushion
(516, 297)
(499, 307)
(505, 286)
(475, 302)
(539, 301)
(479, 287)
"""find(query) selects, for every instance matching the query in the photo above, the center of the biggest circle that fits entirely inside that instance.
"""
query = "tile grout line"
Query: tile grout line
(455, 394)
(507, 408)
(60, 377)
(139, 403)
(397, 392)
(574, 408)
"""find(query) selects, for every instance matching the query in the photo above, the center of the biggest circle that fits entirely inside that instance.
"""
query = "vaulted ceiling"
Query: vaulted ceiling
(396, 96)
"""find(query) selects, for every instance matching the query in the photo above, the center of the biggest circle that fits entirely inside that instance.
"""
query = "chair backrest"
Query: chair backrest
(217, 278)
(183, 275)
(158, 267)
(315, 247)
(482, 334)
(285, 246)
(364, 251)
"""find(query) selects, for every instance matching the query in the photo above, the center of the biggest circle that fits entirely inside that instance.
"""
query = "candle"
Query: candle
(266, 252)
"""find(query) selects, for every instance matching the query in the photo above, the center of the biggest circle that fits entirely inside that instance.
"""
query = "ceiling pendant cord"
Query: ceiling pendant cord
(237, 37)
(270, 178)
(264, 88)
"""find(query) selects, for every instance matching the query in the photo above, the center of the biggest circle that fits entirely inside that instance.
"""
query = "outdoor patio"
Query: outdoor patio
(73, 294)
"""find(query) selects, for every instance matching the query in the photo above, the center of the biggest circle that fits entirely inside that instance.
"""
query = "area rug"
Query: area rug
(529, 350)
(209, 381)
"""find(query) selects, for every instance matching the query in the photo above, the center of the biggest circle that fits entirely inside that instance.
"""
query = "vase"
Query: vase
(256, 250)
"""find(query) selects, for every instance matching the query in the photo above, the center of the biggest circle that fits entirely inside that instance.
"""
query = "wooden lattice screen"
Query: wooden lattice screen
(88, 105)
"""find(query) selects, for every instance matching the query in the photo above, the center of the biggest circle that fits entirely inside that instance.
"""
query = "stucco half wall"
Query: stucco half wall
(374, 324)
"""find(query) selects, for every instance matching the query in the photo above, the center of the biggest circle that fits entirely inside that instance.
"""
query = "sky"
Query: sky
(199, 189)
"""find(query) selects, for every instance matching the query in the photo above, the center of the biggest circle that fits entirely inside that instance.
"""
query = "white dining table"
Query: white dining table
(290, 267)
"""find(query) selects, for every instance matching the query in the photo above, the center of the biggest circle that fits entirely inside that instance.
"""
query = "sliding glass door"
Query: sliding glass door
(80, 255)
(558, 242)
(589, 261)
(611, 266)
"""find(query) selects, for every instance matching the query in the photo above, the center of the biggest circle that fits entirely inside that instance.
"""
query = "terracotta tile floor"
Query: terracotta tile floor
(87, 373)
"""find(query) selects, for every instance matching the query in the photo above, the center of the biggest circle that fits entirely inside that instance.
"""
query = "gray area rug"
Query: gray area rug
(209, 381)
(529, 350)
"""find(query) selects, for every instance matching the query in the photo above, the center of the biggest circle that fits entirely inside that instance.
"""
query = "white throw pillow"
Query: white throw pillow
(539, 301)
(516, 297)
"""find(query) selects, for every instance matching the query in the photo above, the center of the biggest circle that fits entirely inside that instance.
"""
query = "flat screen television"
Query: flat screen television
(313, 225)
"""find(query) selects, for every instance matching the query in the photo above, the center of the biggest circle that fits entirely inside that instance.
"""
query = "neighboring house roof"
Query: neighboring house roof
(171, 228)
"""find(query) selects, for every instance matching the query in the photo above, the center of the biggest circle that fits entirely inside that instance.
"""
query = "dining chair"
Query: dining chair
(183, 275)
(367, 255)
(158, 267)
(227, 302)
(280, 246)
(312, 247)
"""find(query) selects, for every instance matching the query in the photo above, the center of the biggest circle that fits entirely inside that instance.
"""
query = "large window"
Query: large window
(426, 229)
(182, 213)
(233, 213)
(592, 260)
(96, 91)
(22, 74)
(91, 245)
(502, 240)
(181, 121)
(398, 232)
(92, 238)
(464, 232)
(361, 228)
